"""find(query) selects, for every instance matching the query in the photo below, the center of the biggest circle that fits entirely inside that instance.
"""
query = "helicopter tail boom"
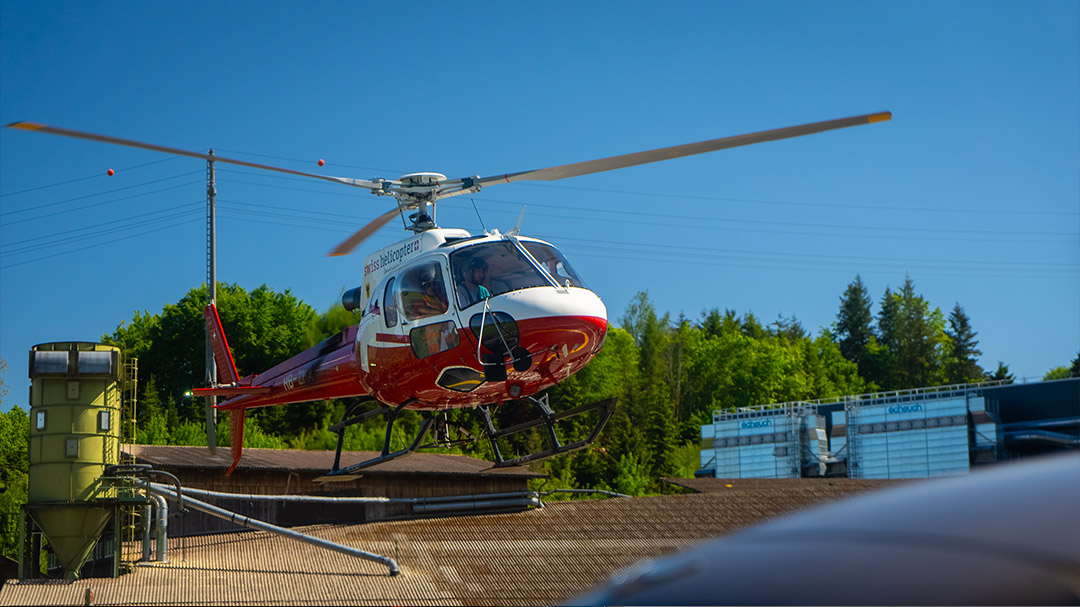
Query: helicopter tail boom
(236, 430)
(226, 368)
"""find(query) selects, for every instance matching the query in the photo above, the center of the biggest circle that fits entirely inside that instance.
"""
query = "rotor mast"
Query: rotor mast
(419, 191)
(211, 287)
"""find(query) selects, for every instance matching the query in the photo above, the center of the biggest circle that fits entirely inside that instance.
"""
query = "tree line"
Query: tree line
(669, 374)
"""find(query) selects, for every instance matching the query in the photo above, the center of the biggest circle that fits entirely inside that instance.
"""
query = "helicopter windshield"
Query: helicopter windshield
(493, 268)
(556, 264)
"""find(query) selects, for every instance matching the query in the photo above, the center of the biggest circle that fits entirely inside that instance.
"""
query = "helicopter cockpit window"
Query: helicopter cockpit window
(492, 268)
(389, 305)
(423, 291)
(556, 264)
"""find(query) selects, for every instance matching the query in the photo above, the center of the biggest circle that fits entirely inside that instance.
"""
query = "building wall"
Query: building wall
(913, 439)
(287, 514)
(924, 432)
(751, 445)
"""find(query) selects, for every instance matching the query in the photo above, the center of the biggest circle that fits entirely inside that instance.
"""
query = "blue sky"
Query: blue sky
(971, 189)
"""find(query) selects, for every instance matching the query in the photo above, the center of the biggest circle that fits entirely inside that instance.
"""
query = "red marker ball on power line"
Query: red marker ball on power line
(321, 162)
(109, 172)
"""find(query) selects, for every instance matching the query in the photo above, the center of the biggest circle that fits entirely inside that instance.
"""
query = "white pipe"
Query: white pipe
(251, 523)
(479, 504)
(255, 497)
(162, 528)
(146, 516)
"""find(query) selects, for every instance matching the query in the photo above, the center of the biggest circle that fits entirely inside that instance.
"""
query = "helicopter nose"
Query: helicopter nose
(572, 322)
(548, 303)
(539, 304)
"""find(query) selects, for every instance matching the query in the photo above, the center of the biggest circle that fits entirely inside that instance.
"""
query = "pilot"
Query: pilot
(475, 277)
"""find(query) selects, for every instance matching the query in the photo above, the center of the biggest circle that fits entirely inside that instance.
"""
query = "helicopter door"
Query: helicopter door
(379, 324)
(428, 319)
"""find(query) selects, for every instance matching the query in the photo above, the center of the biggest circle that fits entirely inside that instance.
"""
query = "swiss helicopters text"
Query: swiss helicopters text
(447, 320)
(387, 259)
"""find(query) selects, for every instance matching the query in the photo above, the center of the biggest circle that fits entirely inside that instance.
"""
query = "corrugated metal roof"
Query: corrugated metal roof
(836, 487)
(314, 461)
(541, 556)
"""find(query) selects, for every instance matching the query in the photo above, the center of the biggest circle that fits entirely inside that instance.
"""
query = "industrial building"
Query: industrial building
(918, 433)
(93, 501)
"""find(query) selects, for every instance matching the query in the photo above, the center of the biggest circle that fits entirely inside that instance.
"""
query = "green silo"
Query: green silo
(74, 434)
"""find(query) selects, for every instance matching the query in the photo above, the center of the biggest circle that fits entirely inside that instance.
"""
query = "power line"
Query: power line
(63, 237)
(308, 161)
(713, 256)
(668, 195)
(303, 213)
(98, 204)
(681, 251)
(98, 244)
(944, 232)
(882, 207)
(37, 207)
(94, 176)
(1012, 234)
(698, 219)
(84, 237)
(796, 261)
(327, 192)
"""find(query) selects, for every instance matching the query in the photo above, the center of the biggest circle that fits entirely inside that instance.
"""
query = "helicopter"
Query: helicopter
(448, 320)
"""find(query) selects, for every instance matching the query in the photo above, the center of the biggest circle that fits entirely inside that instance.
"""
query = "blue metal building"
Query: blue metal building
(924, 432)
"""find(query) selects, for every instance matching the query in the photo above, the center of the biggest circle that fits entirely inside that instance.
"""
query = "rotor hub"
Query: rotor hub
(422, 179)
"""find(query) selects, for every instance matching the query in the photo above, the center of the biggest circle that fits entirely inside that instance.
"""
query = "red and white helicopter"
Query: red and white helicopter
(449, 320)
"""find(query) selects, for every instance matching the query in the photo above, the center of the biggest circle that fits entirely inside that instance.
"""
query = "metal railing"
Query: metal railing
(872, 398)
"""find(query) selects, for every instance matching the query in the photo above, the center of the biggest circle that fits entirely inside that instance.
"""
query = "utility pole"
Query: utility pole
(211, 287)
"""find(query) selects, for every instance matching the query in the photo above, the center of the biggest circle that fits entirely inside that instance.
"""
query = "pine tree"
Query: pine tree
(853, 331)
(879, 362)
(961, 367)
(913, 336)
(1001, 374)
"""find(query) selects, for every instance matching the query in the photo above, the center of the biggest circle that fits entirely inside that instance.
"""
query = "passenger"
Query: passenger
(552, 266)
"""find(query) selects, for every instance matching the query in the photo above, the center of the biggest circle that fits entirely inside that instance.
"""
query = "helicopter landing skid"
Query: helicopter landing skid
(547, 419)
(337, 473)
(441, 438)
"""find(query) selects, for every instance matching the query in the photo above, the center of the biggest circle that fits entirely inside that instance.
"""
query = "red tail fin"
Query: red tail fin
(226, 369)
(236, 426)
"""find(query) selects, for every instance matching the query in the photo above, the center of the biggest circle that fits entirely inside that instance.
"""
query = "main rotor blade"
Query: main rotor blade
(43, 128)
(362, 234)
(678, 151)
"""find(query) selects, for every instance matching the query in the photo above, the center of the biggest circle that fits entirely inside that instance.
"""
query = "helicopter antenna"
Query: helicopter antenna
(517, 229)
(482, 226)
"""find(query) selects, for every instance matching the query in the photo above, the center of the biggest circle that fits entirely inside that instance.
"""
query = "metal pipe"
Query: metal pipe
(162, 528)
(258, 497)
(1042, 423)
(1044, 436)
(466, 498)
(146, 516)
(251, 523)
(479, 504)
